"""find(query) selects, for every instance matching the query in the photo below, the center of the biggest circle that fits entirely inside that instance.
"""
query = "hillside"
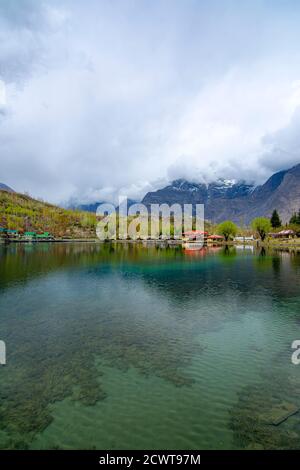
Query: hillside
(23, 213)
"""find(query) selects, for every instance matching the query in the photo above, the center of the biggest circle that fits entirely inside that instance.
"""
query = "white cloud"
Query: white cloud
(123, 96)
(223, 129)
(2, 94)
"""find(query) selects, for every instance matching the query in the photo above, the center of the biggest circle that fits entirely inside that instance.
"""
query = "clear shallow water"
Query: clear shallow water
(114, 346)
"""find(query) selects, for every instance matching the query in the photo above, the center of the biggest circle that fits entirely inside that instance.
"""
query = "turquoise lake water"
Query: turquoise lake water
(113, 346)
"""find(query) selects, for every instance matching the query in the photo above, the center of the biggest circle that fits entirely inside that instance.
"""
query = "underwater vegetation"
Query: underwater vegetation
(267, 413)
(52, 365)
(56, 336)
(65, 308)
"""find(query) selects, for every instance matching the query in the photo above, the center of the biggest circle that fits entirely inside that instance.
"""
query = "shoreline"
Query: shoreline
(56, 240)
(256, 244)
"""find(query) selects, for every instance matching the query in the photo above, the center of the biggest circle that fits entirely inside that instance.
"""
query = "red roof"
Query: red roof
(216, 237)
(195, 232)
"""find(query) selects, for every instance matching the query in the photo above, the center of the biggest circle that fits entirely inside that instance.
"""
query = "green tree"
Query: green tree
(295, 219)
(275, 219)
(262, 226)
(228, 229)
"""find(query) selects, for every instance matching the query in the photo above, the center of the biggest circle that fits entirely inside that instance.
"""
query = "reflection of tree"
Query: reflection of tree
(295, 259)
(228, 252)
(276, 262)
(175, 273)
(131, 304)
(262, 251)
(264, 260)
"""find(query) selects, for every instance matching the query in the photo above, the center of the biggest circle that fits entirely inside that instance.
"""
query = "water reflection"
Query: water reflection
(64, 305)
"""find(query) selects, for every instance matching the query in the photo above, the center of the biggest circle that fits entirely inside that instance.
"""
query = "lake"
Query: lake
(116, 346)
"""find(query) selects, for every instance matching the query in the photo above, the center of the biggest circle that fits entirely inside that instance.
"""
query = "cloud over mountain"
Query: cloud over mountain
(124, 95)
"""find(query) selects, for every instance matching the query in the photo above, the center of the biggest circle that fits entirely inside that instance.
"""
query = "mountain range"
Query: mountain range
(4, 187)
(236, 200)
(93, 206)
(223, 199)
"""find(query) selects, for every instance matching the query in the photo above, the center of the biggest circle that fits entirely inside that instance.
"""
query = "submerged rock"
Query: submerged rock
(279, 413)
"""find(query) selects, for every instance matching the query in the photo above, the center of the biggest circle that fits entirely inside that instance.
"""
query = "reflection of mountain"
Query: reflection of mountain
(220, 275)
(169, 271)
(239, 201)
(84, 306)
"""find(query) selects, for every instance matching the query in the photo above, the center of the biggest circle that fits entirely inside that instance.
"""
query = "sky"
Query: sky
(101, 97)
